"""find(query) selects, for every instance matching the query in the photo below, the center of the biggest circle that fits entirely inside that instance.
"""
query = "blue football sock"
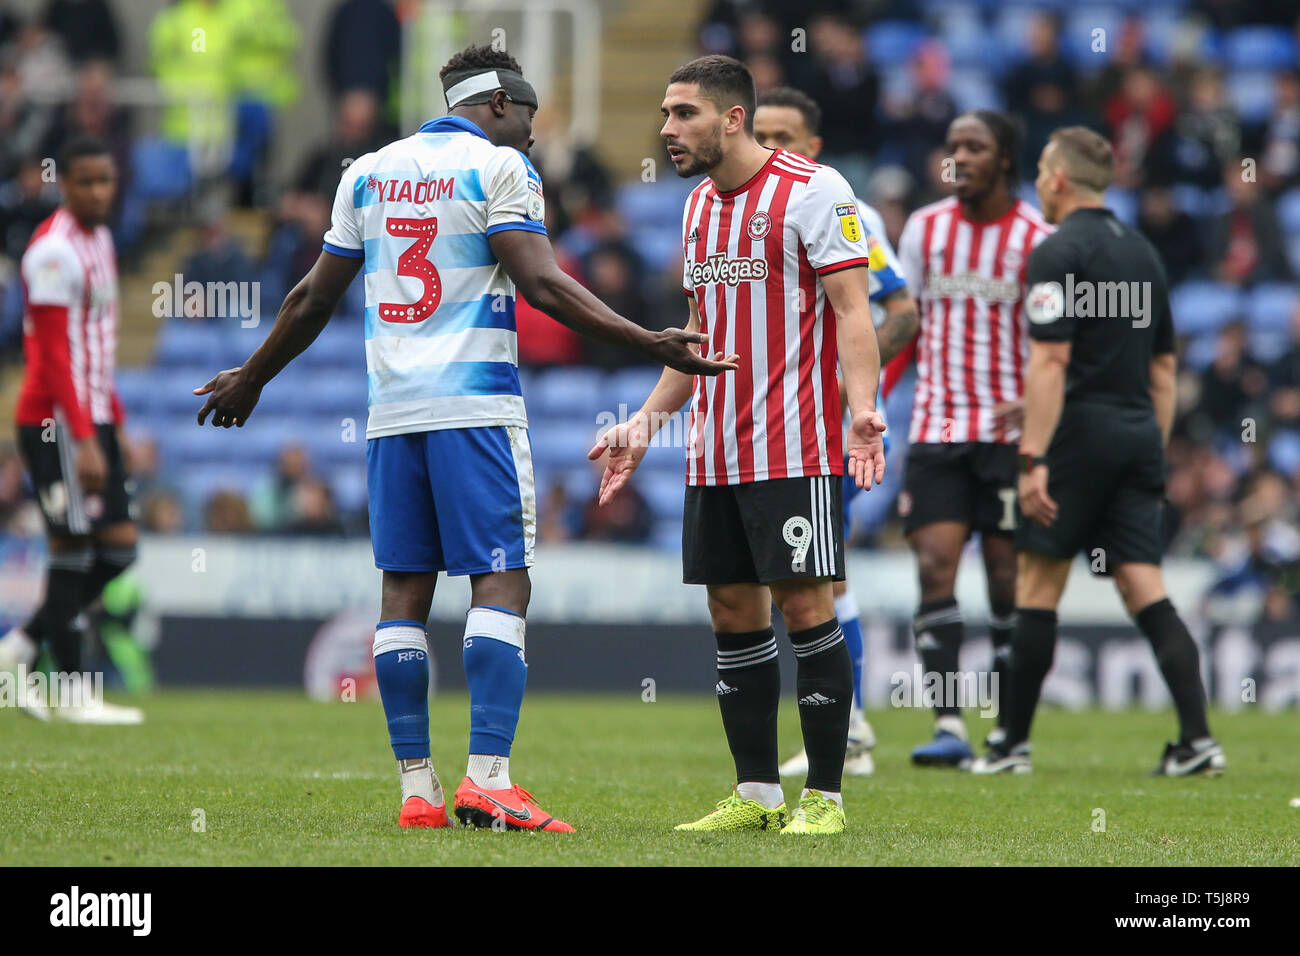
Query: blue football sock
(496, 673)
(402, 668)
(846, 609)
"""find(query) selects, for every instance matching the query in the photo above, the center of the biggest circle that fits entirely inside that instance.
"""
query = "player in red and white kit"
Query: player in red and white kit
(776, 272)
(965, 258)
(69, 419)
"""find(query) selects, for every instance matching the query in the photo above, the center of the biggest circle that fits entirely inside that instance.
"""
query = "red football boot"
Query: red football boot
(419, 812)
(511, 809)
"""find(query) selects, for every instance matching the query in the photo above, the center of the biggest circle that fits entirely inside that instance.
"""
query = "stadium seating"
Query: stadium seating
(1203, 306)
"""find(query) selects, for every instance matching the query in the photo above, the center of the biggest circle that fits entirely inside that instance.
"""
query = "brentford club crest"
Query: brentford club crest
(760, 224)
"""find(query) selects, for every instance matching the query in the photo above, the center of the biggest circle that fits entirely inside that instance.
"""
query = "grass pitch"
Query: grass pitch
(273, 778)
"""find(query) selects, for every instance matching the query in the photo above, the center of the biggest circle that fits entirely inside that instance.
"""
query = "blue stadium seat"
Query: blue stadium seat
(175, 388)
(1203, 306)
(342, 347)
(1200, 350)
(1288, 212)
(630, 386)
(348, 482)
(138, 389)
(159, 170)
(1260, 48)
(972, 89)
(330, 443)
(561, 392)
(665, 493)
(1251, 93)
(1011, 26)
(189, 342)
(655, 205)
(1124, 204)
(562, 445)
(1267, 345)
(1284, 452)
(338, 393)
(1271, 307)
(891, 43)
(1077, 36)
(667, 535)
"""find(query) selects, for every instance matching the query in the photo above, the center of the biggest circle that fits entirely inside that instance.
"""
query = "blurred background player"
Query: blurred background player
(789, 119)
(450, 474)
(966, 257)
(69, 421)
(1099, 408)
(774, 250)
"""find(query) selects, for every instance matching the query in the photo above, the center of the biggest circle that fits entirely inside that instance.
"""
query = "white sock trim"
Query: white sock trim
(768, 795)
(400, 637)
(489, 771)
(498, 625)
(846, 607)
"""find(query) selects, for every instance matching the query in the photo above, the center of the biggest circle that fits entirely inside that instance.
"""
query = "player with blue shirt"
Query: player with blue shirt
(789, 119)
(447, 223)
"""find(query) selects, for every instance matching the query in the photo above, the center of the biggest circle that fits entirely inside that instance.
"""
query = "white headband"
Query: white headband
(481, 83)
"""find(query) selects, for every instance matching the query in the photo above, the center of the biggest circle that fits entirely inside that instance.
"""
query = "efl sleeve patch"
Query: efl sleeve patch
(847, 213)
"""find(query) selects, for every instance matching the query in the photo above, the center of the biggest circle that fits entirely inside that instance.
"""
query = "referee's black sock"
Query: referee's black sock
(938, 631)
(1180, 663)
(825, 690)
(1002, 624)
(64, 590)
(1033, 645)
(749, 693)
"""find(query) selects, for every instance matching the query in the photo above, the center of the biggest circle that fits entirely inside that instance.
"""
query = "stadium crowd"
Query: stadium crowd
(1201, 99)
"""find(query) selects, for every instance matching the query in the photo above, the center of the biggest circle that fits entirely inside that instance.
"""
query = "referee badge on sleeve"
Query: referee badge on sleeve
(1045, 303)
(849, 225)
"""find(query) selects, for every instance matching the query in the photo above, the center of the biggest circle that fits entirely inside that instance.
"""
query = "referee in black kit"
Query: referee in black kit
(1099, 404)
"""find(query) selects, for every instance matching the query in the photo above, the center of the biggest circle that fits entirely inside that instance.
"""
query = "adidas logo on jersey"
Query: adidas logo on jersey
(724, 688)
(816, 700)
(693, 237)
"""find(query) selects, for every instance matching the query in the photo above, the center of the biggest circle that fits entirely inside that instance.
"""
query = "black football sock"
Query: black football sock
(1002, 623)
(65, 585)
(938, 630)
(1033, 646)
(825, 690)
(749, 693)
(1180, 663)
(110, 561)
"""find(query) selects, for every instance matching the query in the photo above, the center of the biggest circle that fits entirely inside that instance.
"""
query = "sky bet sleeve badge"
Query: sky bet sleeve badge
(848, 213)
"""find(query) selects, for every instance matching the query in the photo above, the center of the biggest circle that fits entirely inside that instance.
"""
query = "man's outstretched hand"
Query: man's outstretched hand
(626, 444)
(866, 464)
(684, 351)
(231, 398)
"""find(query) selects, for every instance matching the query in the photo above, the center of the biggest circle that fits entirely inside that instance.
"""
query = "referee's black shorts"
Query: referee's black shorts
(764, 531)
(1106, 473)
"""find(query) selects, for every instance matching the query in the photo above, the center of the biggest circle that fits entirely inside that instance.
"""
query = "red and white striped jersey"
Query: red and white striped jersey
(754, 257)
(69, 326)
(969, 282)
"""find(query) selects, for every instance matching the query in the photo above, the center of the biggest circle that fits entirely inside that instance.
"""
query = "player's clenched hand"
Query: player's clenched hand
(1034, 499)
(626, 444)
(684, 351)
(1009, 416)
(866, 462)
(92, 466)
(231, 400)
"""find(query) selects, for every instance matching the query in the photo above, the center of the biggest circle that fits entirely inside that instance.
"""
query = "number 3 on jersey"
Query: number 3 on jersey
(414, 263)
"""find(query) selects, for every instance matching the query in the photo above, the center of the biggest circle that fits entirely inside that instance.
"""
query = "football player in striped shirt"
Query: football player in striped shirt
(447, 222)
(965, 258)
(69, 423)
(775, 271)
(789, 119)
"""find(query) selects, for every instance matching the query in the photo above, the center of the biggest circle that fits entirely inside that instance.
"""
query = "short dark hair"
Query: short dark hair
(79, 146)
(481, 58)
(1006, 133)
(725, 81)
(798, 100)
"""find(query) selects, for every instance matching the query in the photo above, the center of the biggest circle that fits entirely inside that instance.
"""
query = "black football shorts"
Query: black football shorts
(764, 531)
(50, 455)
(970, 482)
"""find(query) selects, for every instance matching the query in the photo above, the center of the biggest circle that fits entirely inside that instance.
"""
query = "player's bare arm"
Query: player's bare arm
(1044, 397)
(902, 322)
(530, 262)
(307, 308)
(859, 355)
(627, 441)
(1164, 369)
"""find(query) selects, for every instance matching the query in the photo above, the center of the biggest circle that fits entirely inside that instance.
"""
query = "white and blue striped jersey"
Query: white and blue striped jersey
(441, 349)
